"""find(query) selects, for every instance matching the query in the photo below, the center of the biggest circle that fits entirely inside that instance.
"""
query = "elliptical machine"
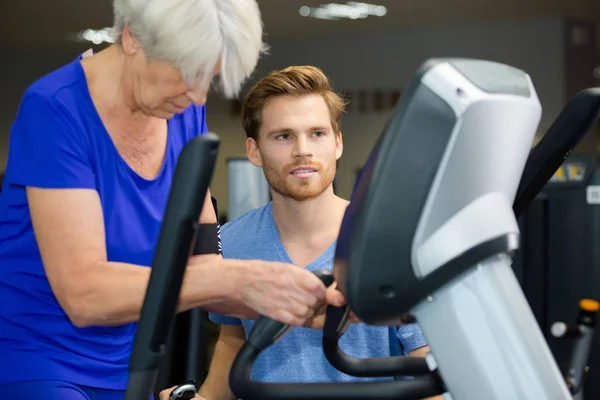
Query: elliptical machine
(430, 231)
(431, 228)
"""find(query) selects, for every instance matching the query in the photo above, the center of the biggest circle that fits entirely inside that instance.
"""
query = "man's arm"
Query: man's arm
(420, 352)
(69, 229)
(216, 386)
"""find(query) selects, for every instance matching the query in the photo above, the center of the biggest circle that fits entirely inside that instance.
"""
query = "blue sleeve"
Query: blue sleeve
(411, 337)
(223, 320)
(46, 150)
(203, 122)
(196, 120)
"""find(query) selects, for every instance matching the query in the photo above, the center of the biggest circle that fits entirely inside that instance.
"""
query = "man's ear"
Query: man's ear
(339, 145)
(129, 43)
(253, 152)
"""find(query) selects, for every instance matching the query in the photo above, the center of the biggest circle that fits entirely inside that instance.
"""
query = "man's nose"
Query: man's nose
(302, 148)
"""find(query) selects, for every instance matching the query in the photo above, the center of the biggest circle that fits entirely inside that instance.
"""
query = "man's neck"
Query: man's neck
(305, 221)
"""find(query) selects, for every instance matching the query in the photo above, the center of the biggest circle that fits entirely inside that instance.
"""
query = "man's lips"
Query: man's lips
(303, 172)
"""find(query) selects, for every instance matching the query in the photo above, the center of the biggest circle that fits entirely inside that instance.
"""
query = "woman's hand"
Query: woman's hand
(335, 298)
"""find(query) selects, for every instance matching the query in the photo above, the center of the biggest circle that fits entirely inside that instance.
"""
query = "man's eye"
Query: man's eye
(318, 134)
(283, 136)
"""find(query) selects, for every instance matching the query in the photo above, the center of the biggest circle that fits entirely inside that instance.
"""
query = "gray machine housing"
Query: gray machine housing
(430, 230)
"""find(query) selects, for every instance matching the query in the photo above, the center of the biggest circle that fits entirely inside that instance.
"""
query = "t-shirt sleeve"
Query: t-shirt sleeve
(196, 119)
(411, 337)
(202, 123)
(223, 320)
(46, 150)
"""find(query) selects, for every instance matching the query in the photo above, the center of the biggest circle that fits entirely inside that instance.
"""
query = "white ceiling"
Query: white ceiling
(48, 22)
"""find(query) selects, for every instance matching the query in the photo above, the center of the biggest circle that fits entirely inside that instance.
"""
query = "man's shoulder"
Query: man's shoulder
(248, 228)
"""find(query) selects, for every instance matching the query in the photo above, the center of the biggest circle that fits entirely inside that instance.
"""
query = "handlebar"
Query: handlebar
(191, 180)
(267, 331)
(335, 325)
(573, 123)
(244, 388)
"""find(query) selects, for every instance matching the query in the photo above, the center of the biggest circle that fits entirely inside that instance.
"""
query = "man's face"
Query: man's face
(297, 147)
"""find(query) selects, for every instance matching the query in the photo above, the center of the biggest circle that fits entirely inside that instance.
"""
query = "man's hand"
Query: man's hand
(164, 395)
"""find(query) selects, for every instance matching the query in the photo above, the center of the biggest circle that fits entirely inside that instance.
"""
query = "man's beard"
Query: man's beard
(280, 180)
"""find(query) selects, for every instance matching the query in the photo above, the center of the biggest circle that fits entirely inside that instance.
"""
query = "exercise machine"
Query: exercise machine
(247, 187)
(430, 231)
(582, 333)
(558, 263)
(177, 239)
(445, 255)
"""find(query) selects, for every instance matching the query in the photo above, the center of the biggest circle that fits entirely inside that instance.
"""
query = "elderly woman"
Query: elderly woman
(91, 159)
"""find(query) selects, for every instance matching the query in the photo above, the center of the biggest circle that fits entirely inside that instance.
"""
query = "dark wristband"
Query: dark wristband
(208, 239)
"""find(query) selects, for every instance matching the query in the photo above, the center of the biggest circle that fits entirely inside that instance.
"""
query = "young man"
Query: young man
(292, 121)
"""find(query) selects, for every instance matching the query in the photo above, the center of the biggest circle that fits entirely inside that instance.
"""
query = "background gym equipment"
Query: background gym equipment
(434, 100)
(560, 228)
(560, 259)
(581, 334)
(247, 187)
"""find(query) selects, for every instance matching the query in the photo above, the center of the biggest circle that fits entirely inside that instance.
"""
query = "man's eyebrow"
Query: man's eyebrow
(280, 130)
(289, 130)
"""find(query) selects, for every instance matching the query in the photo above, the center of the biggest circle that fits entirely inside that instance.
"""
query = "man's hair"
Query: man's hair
(291, 81)
(194, 35)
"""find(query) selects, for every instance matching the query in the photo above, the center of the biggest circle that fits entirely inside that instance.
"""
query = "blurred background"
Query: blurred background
(370, 56)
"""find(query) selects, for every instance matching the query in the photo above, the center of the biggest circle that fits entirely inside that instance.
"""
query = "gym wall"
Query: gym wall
(383, 60)
(19, 68)
(387, 60)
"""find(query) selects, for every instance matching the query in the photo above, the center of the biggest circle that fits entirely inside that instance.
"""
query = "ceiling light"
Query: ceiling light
(305, 11)
(350, 10)
(94, 36)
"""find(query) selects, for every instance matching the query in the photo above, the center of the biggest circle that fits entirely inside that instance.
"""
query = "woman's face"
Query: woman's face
(156, 87)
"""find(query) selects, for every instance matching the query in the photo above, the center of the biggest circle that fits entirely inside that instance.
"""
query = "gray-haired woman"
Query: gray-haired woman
(91, 158)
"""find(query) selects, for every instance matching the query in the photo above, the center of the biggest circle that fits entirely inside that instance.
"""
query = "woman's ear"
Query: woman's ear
(129, 43)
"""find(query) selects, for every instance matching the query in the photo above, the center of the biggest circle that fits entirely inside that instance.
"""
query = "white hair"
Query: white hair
(195, 34)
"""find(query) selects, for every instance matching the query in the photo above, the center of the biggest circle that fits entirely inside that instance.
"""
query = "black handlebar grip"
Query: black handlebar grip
(191, 180)
(336, 323)
(267, 331)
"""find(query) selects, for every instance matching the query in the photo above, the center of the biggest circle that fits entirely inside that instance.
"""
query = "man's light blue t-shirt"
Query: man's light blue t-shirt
(298, 356)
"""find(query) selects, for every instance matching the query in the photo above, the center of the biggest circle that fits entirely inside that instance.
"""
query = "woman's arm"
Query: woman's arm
(69, 228)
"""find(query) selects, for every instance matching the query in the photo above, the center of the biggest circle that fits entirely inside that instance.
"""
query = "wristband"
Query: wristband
(208, 239)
